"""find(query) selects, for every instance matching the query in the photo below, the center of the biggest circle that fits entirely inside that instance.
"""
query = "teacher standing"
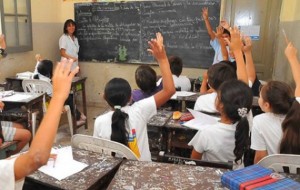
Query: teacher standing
(68, 43)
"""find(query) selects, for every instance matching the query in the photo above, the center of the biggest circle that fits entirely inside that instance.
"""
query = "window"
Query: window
(16, 24)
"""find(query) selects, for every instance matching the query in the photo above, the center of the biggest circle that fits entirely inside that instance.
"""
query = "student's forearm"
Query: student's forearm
(203, 88)
(39, 150)
(295, 67)
(241, 71)
(250, 67)
(223, 50)
(209, 29)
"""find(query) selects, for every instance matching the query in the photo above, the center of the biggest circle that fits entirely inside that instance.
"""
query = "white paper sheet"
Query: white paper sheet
(16, 97)
(64, 165)
(200, 120)
(182, 94)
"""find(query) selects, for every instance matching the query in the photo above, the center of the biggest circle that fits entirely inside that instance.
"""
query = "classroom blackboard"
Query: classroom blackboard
(120, 31)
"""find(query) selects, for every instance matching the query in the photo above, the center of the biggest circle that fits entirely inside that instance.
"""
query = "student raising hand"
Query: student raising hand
(39, 150)
(291, 54)
(236, 46)
(157, 48)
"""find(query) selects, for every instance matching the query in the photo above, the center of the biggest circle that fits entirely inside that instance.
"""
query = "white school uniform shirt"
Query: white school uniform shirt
(216, 142)
(267, 132)
(71, 47)
(206, 103)
(183, 82)
(7, 176)
(138, 115)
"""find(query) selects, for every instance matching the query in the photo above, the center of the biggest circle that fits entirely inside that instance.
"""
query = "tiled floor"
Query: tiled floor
(63, 136)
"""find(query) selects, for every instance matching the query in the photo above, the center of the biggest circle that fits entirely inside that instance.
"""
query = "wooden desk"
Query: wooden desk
(154, 175)
(29, 101)
(96, 176)
(78, 85)
(170, 134)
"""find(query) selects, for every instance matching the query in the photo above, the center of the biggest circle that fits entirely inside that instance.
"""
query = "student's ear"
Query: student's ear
(266, 107)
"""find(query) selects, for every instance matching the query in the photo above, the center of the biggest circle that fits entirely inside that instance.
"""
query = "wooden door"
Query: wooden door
(264, 13)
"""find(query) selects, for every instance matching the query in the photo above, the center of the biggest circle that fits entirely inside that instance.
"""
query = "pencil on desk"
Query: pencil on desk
(53, 156)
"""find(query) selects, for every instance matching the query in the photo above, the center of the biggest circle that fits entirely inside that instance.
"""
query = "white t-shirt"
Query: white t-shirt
(206, 103)
(71, 47)
(267, 132)
(138, 115)
(216, 142)
(7, 176)
(183, 82)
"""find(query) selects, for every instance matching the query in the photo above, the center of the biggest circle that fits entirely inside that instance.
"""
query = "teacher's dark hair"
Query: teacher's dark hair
(70, 22)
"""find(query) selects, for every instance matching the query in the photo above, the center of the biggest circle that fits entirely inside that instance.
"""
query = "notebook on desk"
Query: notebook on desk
(201, 120)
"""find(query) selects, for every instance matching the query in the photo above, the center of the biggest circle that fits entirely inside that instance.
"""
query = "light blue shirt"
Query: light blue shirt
(218, 53)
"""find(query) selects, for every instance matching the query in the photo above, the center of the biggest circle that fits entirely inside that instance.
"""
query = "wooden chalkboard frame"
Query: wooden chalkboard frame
(119, 31)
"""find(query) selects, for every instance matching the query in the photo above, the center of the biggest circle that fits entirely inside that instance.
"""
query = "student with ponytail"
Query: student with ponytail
(277, 130)
(226, 140)
(290, 142)
(128, 124)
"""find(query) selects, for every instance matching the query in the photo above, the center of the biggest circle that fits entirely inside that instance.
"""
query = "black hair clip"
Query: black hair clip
(3, 53)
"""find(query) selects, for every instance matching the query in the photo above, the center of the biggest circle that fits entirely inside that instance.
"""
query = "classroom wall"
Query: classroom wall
(48, 17)
(98, 73)
(290, 22)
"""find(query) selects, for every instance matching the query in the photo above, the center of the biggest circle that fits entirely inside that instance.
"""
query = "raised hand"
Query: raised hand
(236, 42)
(248, 44)
(290, 51)
(205, 13)
(224, 24)
(219, 32)
(62, 79)
(157, 48)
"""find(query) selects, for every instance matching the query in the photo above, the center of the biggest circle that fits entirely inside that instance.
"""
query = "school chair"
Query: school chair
(167, 158)
(39, 86)
(287, 163)
(101, 145)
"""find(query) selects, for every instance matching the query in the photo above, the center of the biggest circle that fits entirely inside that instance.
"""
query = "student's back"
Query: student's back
(180, 81)
(128, 124)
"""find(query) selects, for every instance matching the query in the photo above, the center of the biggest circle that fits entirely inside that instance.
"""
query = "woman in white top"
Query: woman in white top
(68, 42)
(228, 139)
(13, 171)
(128, 124)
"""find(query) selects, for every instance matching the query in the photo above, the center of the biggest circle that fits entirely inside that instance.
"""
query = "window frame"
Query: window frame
(17, 48)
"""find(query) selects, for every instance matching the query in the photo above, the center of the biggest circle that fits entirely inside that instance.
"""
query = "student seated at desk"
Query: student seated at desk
(228, 139)
(128, 124)
(277, 130)
(14, 170)
(11, 131)
(44, 70)
(180, 81)
(145, 78)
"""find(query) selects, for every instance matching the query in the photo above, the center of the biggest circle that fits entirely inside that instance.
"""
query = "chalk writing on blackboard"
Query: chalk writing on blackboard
(119, 32)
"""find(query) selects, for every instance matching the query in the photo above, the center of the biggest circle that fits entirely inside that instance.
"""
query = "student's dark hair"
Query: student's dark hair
(225, 31)
(290, 143)
(175, 65)
(70, 22)
(278, 95)
(236, 98)
(218, 73)
(145, 78)
(118, 93)
(45, 67)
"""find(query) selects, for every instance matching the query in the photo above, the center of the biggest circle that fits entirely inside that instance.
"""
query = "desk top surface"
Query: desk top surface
(99, 166)
(154, 175)
(21, 97)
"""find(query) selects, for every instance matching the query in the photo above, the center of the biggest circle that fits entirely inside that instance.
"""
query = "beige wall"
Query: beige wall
(48, 17)
(47, 29)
